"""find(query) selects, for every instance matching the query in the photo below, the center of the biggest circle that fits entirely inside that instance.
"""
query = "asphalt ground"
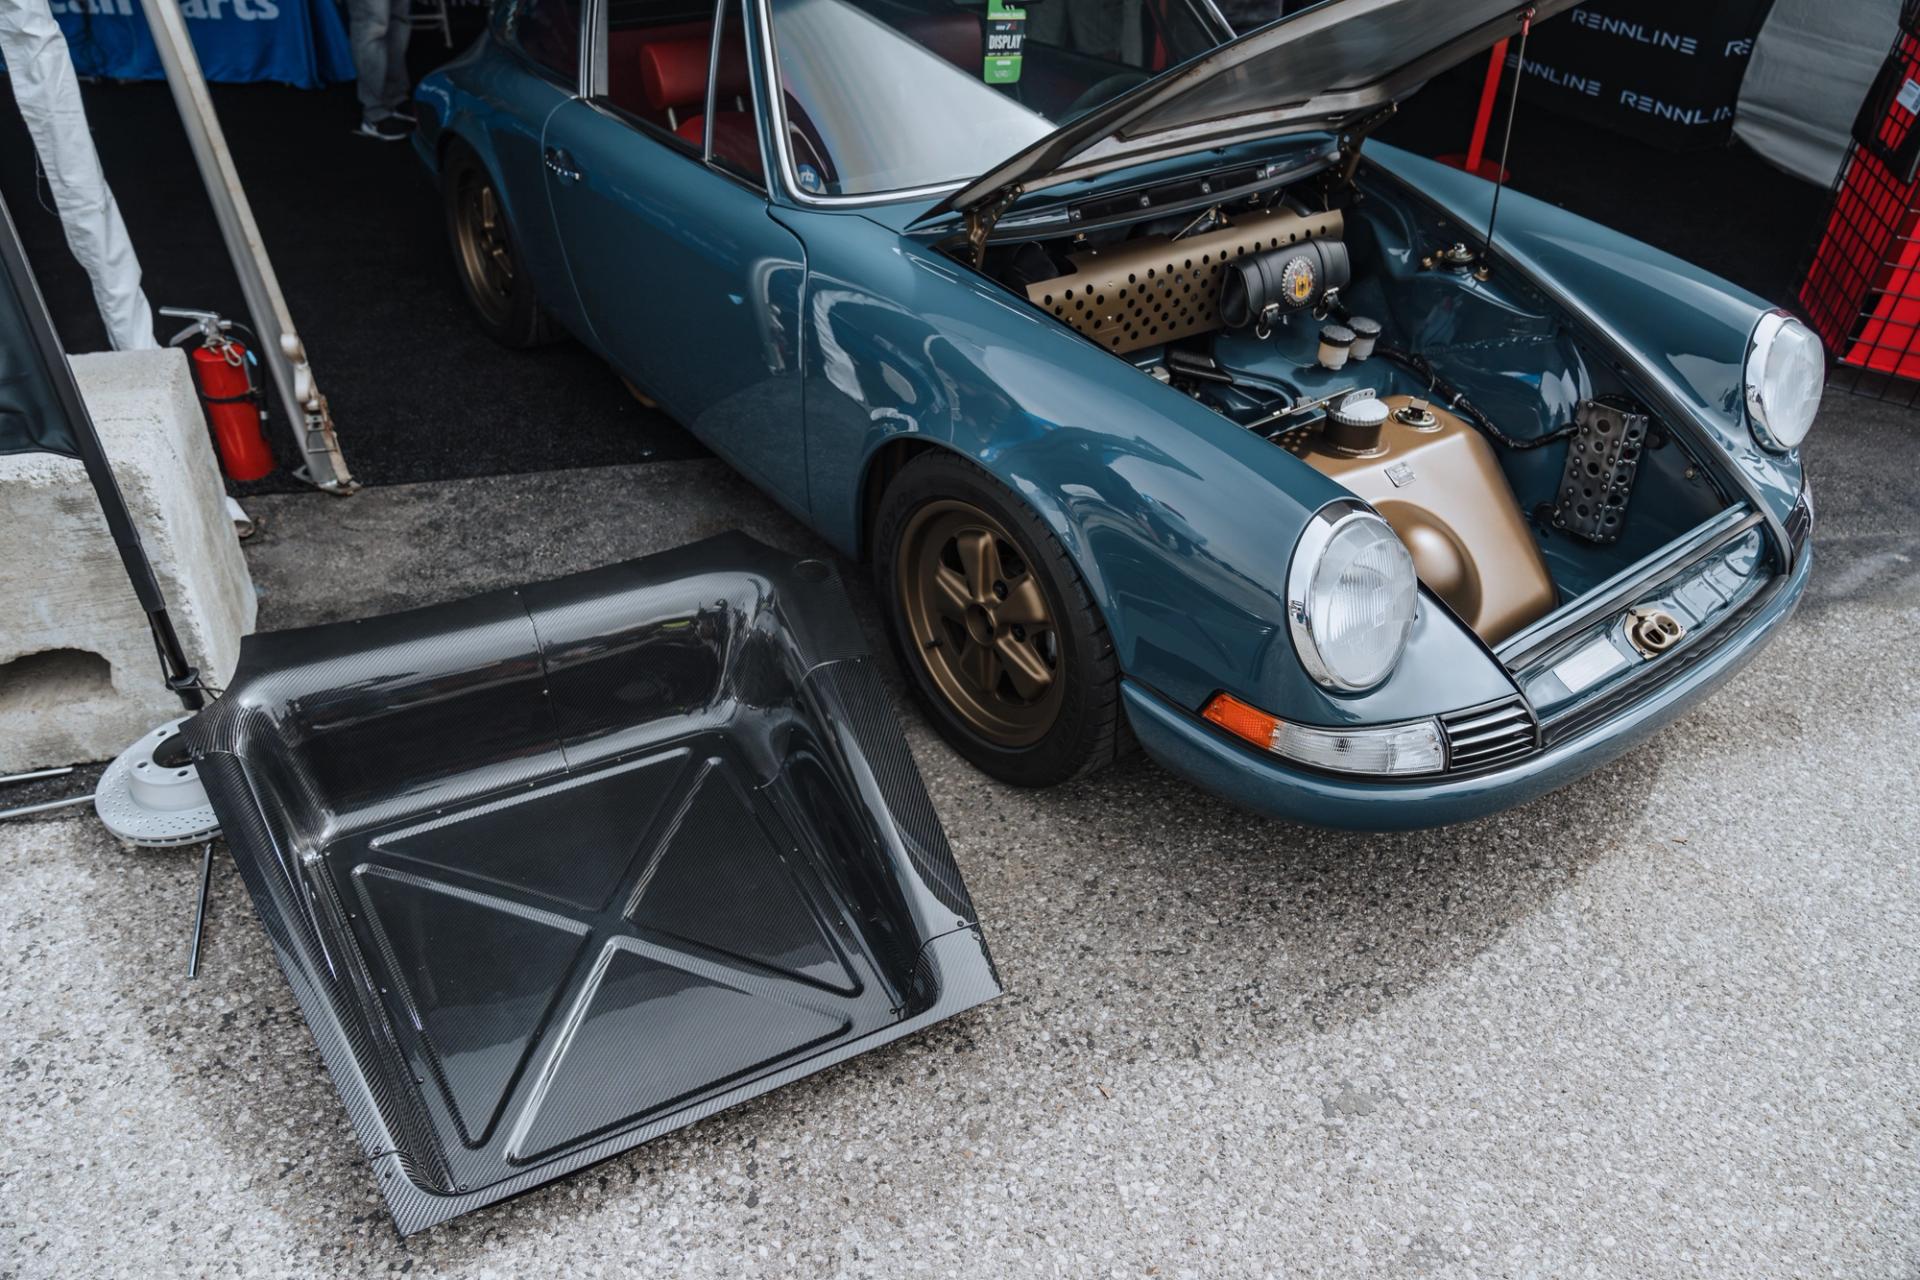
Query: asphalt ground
(1662, 1023)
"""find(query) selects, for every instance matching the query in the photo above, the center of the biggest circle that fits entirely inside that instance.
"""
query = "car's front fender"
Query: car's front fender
(1182, 523)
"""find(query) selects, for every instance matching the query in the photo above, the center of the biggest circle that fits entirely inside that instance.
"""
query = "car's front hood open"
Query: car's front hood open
(1324, 69)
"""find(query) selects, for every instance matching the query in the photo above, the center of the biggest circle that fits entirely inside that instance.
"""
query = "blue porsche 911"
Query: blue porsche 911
(1167, 409)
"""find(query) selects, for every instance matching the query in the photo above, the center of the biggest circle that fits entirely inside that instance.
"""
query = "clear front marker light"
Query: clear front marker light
(1786, 374)
(1351, 594)
(1386, 750)
(1414, 747)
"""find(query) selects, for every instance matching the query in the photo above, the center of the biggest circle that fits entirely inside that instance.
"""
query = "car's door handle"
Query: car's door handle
(560, 162)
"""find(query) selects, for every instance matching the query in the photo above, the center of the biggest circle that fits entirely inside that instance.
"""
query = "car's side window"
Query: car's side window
(658, 52)
(733, 128)
(546, 31)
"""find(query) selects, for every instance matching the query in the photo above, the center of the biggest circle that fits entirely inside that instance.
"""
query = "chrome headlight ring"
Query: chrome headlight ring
(1368, 602)
(1786, 372)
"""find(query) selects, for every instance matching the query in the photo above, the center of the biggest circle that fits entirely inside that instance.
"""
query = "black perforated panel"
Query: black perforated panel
(1603, 456)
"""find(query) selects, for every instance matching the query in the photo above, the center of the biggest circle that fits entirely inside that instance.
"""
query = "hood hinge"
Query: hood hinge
(1351, 138)
(980, 221)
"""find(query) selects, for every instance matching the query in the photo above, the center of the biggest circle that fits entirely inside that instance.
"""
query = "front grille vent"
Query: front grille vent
(1800, 521)
(1484, 736)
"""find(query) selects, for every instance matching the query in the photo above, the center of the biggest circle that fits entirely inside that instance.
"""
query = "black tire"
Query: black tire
(486, 255)
(1084, 728)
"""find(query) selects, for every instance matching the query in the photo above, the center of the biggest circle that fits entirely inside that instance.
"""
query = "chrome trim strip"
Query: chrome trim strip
(1618, 591)
(591, 79)
(713, 78)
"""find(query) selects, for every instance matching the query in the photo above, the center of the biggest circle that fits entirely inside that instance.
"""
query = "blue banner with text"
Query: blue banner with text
(296, 42)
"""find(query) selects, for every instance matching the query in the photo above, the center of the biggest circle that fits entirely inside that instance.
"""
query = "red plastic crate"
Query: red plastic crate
(1862, 289)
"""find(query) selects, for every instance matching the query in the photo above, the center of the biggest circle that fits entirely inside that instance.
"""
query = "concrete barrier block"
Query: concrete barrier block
(79, 679)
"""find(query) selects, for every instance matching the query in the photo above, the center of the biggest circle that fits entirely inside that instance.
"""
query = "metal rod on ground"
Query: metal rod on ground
(37, 773)
(280, 346)
(200, 911)
(46, 805)
(179, 673)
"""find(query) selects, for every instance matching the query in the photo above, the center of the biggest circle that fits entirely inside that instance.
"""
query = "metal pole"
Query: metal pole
(200, 909)
(280, 345)
(37, 773)
(46, 806)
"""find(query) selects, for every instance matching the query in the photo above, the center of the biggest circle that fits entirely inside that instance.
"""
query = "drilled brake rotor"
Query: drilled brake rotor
(151, 795)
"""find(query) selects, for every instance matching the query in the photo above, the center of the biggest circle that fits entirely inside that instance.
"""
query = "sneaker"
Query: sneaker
(386, 129)
(405, 112)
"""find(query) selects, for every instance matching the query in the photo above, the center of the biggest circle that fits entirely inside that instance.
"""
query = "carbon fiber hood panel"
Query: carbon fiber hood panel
(555, 870)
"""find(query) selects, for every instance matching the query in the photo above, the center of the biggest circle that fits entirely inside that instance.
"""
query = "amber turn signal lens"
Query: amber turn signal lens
(1409, 747)
(1241, 720)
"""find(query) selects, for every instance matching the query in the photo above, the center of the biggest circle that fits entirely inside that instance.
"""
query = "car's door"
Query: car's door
(657, 182)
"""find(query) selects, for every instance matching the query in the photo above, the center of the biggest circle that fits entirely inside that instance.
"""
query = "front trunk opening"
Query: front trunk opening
(1353, 327)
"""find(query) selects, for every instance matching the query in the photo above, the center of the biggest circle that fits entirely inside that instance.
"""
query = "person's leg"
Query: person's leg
(368, 33)
(394, 90)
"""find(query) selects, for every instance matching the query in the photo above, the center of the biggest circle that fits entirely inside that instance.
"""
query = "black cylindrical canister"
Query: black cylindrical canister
(1353, 425)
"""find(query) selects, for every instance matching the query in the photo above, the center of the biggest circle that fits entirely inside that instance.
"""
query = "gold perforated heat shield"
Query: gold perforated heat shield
(1155, 289)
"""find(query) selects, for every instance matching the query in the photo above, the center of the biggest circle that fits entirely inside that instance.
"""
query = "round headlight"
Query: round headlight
(1786, 372)
(1350, 597)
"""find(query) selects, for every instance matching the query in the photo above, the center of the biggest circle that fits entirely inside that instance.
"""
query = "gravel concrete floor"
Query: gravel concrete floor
(1663, 1023)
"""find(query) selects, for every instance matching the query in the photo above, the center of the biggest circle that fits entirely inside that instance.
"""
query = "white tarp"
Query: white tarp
(48, 92)
(1811, 69)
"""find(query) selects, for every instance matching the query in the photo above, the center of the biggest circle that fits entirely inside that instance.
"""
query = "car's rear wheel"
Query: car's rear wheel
(994, 626)
(486, 256)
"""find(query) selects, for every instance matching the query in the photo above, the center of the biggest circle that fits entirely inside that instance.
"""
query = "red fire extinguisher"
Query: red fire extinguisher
(223, 372)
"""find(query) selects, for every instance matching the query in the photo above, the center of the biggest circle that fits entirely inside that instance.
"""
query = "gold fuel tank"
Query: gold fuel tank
(1436, 481)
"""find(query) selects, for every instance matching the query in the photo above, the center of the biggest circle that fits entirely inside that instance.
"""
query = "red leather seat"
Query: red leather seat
(626, 51)
(660, 75)
(673, 77)
(736, 137)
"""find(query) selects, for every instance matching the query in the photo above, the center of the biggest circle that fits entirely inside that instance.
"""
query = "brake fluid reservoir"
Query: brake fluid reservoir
(1437, 482)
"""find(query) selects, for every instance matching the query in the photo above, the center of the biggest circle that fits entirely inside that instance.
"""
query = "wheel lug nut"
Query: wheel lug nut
(1000, 590)
(1019, 632)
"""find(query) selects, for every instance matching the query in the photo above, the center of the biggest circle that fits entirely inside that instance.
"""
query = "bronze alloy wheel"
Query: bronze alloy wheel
(980, 622)
(486, 254)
